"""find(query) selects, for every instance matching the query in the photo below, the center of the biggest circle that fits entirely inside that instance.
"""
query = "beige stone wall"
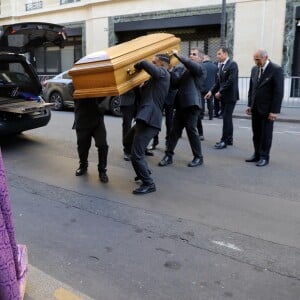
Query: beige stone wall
(97, 35)
(258, 24)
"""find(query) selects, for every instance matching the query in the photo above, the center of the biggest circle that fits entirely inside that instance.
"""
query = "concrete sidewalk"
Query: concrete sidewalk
(288, 114)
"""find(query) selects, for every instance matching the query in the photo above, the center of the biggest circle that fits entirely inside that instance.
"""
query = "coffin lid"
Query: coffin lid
(111, 72)
(115, 55)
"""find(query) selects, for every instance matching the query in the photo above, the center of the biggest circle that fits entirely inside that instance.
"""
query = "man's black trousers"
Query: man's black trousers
(185, 118)
(136, 142)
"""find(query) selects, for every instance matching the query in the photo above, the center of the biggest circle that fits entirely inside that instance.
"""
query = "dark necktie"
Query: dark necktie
(220, 69)
(260, 74)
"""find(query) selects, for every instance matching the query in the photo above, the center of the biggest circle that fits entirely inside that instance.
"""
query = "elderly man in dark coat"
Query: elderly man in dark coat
(264, 103)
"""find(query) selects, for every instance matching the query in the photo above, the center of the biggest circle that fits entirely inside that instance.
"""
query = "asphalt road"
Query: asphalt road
(225, 230)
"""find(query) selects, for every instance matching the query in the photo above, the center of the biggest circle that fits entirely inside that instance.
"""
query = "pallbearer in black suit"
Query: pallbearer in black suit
(187, 80)
(264, 103)
(128, 109)
(226, 90)
(148, 118)
(89, 123)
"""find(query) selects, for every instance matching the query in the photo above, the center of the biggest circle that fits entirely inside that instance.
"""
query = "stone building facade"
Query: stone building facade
(95, 25)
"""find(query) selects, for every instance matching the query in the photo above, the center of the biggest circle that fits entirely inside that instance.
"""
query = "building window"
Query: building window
(52, 60)
(30, 5)
(48, 60)
(68, 1)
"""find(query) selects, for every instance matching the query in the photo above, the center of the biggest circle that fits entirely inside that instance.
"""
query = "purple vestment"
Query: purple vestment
(12, 263)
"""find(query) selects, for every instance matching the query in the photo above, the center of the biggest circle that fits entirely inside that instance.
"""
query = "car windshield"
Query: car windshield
(64, 75)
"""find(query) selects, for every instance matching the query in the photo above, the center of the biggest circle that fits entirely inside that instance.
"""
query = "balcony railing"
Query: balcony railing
(34, 5)
(68, 1)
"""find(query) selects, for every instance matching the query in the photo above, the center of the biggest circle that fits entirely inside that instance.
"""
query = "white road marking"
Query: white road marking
(288, 132)
(249, 128)
(227, 245)
(212, 124)
(291, 132)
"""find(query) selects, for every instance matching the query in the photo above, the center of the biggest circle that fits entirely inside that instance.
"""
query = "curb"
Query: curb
(287, 114)
(280, 118)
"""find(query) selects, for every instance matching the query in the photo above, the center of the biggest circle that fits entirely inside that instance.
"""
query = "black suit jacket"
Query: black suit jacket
(188, 81)
(87, 113)
(210, 80)
(128, 98)
(152, 94)
(227, 82)
(267, 93)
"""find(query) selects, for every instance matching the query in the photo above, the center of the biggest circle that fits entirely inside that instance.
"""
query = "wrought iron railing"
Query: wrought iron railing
(291, 96)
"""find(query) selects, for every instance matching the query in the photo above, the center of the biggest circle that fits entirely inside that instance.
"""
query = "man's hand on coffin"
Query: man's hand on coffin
(138, 66)
(175, 51)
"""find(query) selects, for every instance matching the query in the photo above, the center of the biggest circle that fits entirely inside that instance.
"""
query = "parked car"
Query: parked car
(59, 91)
(21, 105)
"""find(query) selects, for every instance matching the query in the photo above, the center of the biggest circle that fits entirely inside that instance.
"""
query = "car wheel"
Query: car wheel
(114, 106)
(58, 101)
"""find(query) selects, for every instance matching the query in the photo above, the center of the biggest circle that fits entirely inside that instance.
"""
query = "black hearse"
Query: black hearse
(21, 104)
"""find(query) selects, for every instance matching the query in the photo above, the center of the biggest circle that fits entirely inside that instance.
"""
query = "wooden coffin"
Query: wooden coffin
(111, 72)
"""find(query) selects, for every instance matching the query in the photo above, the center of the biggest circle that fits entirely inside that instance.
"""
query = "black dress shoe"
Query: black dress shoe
(228, 142)
(103, 177)
(253, 158)
(149, 153)
(167, 160)
(145, 189)
(262, 162)
(220, 145)
(81, 171)
(197, 161)
(127, 157)
(153, 146)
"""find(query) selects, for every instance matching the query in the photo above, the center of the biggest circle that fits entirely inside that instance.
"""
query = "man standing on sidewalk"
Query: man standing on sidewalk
(226, 90)
(264, 103)
(209, 82)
